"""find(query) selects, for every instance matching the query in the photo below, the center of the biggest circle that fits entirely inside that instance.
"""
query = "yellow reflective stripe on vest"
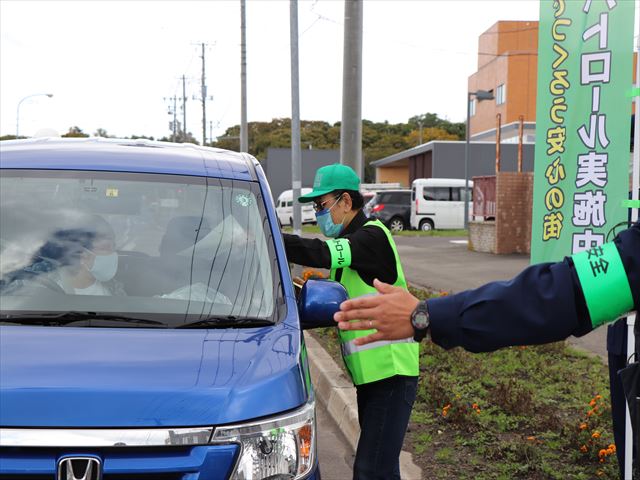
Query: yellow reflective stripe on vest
(349, 348)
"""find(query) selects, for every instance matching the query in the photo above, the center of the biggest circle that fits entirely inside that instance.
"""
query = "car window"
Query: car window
(455, 194)
(436, 193)
(144, 244)
(290, 203)
(398, 198)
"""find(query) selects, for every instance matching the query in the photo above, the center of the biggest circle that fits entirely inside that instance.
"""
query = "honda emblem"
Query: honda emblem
(79, 468)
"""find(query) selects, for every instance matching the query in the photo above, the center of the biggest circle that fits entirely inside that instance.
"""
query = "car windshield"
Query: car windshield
(175, 249)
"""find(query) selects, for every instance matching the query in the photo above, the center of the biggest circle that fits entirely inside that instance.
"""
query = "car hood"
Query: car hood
(132, 377)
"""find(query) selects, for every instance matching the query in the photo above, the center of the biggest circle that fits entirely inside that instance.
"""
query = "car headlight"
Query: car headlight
(275, 448)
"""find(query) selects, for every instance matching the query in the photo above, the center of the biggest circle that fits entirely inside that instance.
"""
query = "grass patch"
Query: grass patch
(536, 412)
(307, 228)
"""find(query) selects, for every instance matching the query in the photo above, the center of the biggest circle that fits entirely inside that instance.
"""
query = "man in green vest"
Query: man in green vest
(385, 373)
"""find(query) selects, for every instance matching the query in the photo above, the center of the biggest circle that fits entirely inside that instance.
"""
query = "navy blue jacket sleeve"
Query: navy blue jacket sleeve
(543, 304)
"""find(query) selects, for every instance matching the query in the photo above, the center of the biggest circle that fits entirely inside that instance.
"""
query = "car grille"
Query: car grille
(213, 462)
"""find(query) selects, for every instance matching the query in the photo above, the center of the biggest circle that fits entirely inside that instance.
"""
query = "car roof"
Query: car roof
(125, 155)
(286, 194)
(441, 182)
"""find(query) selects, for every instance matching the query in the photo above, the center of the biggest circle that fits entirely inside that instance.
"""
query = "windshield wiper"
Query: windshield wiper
(226, 322)
(70, 317)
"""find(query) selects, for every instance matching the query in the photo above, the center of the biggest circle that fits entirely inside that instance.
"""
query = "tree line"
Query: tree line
(379, 139)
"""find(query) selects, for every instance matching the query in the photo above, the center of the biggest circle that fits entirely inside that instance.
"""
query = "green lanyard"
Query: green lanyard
(604, 283)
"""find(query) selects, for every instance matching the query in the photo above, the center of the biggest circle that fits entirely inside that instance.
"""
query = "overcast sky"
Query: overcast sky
(111, 64)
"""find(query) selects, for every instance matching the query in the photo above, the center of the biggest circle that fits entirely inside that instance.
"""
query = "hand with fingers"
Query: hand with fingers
(389, 313)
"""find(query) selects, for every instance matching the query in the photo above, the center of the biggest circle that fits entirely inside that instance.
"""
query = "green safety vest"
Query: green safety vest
(378, 360)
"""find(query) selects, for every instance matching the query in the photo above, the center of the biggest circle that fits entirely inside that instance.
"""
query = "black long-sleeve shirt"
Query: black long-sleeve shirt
(371, 254)
(542, 304)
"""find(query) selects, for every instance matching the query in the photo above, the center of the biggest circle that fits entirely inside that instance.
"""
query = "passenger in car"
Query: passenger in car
(78, 260)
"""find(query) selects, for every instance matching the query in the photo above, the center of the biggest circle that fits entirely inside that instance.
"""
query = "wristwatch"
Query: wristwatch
(420, 321)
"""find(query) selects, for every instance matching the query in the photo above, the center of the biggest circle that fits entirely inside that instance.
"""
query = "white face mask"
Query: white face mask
(104, 267)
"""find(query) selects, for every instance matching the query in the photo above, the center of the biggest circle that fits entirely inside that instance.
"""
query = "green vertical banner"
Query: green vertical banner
(583, 124)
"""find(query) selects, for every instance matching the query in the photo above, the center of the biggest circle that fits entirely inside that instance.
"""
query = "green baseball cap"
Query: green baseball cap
(331, 178)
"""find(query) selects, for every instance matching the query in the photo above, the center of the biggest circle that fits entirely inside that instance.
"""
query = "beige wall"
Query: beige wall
(393, 175)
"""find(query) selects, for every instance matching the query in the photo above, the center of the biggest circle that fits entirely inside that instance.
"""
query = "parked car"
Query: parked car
(149, 325)
(366, 197)
(391, 207)
(439, 203)
(284, 208)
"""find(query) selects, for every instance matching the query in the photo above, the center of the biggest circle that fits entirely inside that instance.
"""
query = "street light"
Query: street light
(480, 95)
(20, 102)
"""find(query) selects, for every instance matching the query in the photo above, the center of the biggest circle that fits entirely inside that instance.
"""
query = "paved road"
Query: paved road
(445, 263)
(335, 455)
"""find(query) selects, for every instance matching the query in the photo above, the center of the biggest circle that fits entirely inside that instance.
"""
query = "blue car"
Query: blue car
(149, 327)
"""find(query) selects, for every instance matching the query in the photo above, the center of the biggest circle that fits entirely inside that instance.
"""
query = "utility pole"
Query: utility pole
(351, 129)
(203, 96)
(244, 133)
(172, 111)
(296, 152)
(184, 108)
(204, 103)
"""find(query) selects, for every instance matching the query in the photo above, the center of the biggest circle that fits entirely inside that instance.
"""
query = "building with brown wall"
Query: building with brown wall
(508, 68)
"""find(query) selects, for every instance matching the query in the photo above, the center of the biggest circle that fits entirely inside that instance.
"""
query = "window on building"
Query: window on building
(472, 107)
(501, 94)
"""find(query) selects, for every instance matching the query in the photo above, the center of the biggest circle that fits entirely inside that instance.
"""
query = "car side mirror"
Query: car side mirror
(318, 301)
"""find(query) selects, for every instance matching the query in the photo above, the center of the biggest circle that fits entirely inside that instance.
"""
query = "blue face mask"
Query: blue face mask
(325, 222)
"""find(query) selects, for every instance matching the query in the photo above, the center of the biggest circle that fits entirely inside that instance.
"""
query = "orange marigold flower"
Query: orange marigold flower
(590, 412)
(583, 449)
(592, 402)
(595, 434)
(532, 438)
(474, 406)
(612, 447)
(598, 397)
(583, 426)
(602, 453)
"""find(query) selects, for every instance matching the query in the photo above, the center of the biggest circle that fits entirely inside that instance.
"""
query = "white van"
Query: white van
(284, 208)
(439, 203)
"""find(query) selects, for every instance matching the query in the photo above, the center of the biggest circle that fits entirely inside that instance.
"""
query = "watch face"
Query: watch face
(421, 320)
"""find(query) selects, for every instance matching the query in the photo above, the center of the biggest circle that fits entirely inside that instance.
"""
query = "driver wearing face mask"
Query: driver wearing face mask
(358, 251)
(97, 262)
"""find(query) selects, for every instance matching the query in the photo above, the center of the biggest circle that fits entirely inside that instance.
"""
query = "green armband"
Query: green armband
(340, 250)
(604, 283)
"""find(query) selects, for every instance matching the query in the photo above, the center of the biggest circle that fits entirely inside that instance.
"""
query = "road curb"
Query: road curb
(337, 393)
